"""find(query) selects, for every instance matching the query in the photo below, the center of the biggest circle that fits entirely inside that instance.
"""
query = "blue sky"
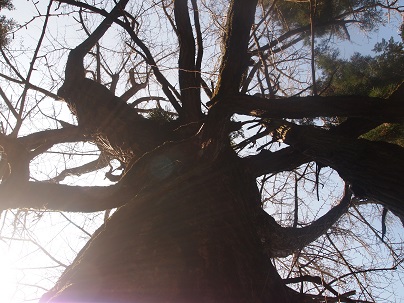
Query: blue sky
(364, 43)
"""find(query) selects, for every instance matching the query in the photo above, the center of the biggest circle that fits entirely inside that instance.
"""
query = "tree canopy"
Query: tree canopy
(376, 76)
(5, 24)
(201, 151)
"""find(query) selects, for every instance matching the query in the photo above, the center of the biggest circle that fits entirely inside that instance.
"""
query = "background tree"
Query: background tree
(331, 17)
(377, 76)
(195, 121)
(5, 24)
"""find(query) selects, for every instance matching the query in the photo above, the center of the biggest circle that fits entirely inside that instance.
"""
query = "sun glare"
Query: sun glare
(7, 276)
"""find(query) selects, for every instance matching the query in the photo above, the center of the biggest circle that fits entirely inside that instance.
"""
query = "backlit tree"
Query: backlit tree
(200, 114)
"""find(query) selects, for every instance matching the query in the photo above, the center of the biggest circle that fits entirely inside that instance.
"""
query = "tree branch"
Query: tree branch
(100, 162)
(319, 281)
(190, 91)
(135, 87)
(283, 241)
(54, 136)
(121, 131)
(74, 65)
(8, 103)
(240, 17)
(31, 86)
(288, 159)
(390, 110)
(235, 58)
(168, 89)
(199, 42)
(29, 74)
(15, 160)
(267, 162)
(374, 168)
(51, 196)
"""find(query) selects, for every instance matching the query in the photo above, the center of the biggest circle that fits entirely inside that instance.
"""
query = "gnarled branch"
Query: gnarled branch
(283, 241)
(190, 95)
(390, 110)
(51, 196)
(374, 169)
(235, 58)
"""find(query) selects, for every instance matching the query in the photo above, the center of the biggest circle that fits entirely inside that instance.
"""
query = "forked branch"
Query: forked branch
(190, 95)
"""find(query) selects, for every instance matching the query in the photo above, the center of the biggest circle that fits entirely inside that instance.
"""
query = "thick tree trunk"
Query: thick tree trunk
(192, 238)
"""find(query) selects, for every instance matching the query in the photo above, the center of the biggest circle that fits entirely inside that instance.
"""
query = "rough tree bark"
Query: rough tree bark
(186, 230)
(189, 236)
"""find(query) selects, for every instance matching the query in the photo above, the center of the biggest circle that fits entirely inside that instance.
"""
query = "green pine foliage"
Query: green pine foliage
(388, 132)
(5, 24)
(160, 115)
(335, 14)
(375, 76)
(6, 4)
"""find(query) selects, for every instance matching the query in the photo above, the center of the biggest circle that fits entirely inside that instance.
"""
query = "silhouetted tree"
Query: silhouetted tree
(189, 224)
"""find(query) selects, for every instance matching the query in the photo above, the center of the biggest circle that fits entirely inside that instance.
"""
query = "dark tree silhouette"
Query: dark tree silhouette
(190, 224)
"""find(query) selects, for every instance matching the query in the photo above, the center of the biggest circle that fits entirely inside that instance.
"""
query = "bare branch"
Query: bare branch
(283, 241)
(190, 92)
(373, 168)
(74, 65)
(170, 19)
(51, 196)
(30, 70)
(135, 87)
(16, 157)
(31, 86)
(8, 103)
(235, 58)
(391, 110)
(100, 162)
(166, 86)
(267, 162)
(199, 41)
(54, 136)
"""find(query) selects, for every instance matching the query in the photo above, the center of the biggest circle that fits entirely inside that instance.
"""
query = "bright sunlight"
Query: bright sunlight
(8, 275)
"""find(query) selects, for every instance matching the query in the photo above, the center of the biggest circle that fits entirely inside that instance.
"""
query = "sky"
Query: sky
(362, 43)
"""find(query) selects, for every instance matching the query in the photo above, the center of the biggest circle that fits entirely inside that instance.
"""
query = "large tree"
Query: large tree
(189, 224)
